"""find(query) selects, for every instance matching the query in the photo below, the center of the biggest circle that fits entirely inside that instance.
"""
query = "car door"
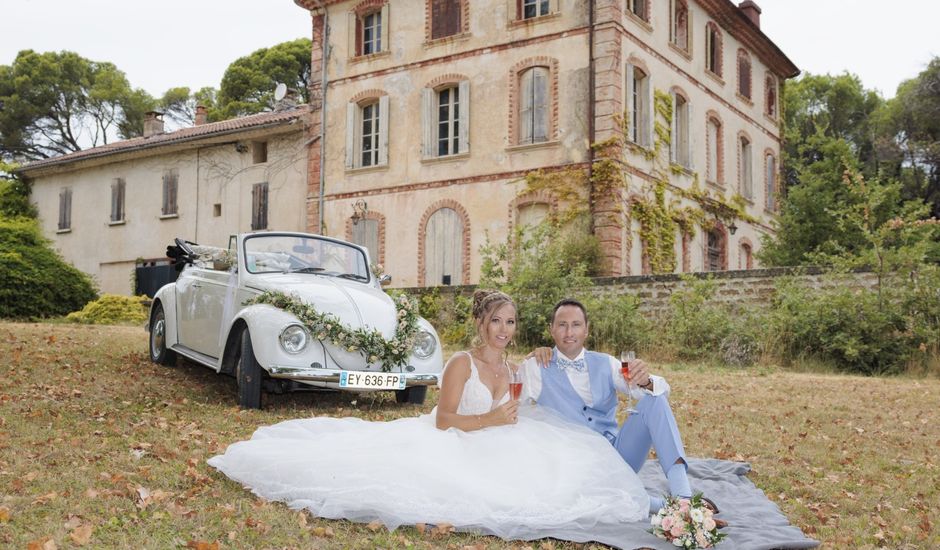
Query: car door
(201, 294)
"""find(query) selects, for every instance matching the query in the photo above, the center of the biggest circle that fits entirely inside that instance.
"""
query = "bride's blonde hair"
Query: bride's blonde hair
(485, 304)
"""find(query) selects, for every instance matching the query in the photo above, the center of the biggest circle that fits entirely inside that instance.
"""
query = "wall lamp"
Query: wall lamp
(360, 209)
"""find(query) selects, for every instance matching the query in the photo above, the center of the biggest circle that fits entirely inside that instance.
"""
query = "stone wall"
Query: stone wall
(742, 288)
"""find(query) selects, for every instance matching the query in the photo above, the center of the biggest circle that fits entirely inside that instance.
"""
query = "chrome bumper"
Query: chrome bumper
(302, 374)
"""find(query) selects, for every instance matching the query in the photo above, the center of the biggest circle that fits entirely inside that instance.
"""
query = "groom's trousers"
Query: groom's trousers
(653, 425)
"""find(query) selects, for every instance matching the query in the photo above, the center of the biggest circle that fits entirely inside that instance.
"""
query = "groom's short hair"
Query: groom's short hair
(569, 302)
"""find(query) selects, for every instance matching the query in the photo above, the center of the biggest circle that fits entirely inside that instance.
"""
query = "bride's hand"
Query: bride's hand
(507, 413)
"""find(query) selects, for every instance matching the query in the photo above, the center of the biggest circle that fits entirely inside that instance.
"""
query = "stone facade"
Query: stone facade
(408, 60)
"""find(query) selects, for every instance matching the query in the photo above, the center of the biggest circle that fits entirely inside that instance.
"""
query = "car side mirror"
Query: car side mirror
(385, 279)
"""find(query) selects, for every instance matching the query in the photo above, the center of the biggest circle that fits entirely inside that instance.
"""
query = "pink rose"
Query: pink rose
(667, 523)
(701, 540)
(684, 506)
(677, 530)
(708, 523)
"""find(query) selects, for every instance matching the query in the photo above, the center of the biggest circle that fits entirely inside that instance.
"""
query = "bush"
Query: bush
(112, 309)
(36, 281)
(695, 325)
(853, 327)
(616, 324)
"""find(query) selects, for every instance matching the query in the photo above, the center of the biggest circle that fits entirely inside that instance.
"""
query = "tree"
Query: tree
(14, 194)
(59, 102)
(179, 104)
(249, 82)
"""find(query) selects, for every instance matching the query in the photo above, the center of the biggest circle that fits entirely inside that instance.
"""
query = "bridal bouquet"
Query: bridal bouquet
(686, 523)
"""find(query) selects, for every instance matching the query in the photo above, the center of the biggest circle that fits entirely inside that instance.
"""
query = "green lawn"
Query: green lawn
(100, 447)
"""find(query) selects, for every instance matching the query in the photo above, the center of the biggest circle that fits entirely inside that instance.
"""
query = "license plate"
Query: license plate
(371, 380)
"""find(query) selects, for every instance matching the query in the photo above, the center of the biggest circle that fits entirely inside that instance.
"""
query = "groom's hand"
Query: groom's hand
(543, 356)
(639, 373)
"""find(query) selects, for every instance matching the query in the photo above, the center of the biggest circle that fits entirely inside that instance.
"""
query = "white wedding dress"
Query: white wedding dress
(540, 477)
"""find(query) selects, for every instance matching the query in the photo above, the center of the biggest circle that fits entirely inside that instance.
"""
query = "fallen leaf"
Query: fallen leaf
(81, 535)
(45, 498)
(202, 545)
(421, 528)
(73, 522)
(4, 514)
(45, 543)
(375, 525)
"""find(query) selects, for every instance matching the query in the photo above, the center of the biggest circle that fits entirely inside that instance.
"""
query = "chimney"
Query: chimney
(752, 11)
(153, 123)
(200, 115)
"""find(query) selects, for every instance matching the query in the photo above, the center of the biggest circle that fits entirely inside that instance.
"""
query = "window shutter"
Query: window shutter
(631, 123)
(383, 130)
(526, 108)
(689, 135)
(384, 46)
(464, 119)
(648, 111)
(352, 33)
(255, 191)
(540, 107)
(428, 123)
(674, 131)
(351, 111)
(68, 208)
(62, 209)
(264, 206)
(122, 186)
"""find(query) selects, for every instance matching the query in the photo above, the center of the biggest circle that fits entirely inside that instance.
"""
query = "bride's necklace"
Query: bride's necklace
(495, 371)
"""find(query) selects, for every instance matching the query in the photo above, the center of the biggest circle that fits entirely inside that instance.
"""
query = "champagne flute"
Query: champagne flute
(625, 358)
(515, 384)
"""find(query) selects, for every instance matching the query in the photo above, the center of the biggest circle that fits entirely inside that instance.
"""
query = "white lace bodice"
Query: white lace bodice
(476, 397)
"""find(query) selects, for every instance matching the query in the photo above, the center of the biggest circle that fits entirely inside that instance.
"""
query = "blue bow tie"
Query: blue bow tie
(564, 363)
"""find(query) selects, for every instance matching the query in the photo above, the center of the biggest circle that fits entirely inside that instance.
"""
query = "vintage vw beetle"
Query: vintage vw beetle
(204, 317)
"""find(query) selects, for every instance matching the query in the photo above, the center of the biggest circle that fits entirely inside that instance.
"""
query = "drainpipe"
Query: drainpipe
(591, 108)
(323, 84)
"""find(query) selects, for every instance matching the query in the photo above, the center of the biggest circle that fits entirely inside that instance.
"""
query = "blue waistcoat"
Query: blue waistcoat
(558, 394)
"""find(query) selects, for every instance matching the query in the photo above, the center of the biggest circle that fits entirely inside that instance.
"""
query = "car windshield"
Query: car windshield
(304, 254)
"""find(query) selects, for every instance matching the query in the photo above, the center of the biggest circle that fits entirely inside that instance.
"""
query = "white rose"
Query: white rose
(697, 515)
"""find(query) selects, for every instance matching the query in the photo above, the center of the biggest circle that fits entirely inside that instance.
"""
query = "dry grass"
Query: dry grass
(99, 445)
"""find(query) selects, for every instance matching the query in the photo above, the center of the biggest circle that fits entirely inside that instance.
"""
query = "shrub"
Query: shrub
(112, 309)
(36, 281)
(695, 324)
(616, 323)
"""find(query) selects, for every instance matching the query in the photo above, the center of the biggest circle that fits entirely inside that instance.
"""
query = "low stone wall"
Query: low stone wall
(743, 288)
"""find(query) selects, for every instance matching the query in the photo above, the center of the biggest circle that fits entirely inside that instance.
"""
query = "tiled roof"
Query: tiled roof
(274, 118)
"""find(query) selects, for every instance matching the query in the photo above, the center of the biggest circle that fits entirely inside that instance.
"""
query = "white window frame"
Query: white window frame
(713, 49)
(713, 171)
(639, 107)
(431, 122)
(357, 22)
(746, 166)
(770, 184)
(674, 26)
(354, 137)
(632, 8)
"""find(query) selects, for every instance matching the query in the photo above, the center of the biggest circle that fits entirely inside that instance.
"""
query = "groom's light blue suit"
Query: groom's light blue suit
(653, 425)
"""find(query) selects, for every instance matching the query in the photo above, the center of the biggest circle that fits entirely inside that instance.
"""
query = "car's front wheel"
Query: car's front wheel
(414, 395)
(248, 373)
(158, 352)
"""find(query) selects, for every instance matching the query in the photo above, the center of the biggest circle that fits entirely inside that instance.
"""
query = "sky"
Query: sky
(160, 45)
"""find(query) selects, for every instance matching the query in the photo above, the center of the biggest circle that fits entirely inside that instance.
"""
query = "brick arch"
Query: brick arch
(719, 176)
(514, 72)
(743, 55)
(638, 63)
(367, 6)
(532, 197)
(450, 78)
(422, 237)
(371, 215)
(366, 95)
(677, 90)
(745, 261)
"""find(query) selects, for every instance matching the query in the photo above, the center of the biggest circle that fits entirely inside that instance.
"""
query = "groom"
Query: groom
(582, 386)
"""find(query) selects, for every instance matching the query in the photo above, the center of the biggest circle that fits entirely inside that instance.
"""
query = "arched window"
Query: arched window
(443, 248)
(680, 146)
(745, 167)
(770, 96)
(770, 181)
(744, 74)
(713, 49)
(534, 105)
(639, 106)
(715, 255)
(745, 257)
(680, 25)
(714, 171)
(367, 132)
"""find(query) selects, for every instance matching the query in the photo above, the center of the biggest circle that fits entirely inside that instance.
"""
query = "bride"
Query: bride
(479, 461)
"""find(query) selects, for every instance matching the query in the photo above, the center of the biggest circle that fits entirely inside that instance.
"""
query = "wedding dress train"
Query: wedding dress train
(540, 477)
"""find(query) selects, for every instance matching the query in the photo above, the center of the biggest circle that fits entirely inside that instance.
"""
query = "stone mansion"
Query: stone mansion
(425, 117)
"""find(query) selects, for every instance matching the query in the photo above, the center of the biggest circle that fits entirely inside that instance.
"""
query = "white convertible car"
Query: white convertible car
(229, 311)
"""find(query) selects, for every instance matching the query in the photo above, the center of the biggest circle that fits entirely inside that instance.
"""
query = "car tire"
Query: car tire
(158, 352)
(248, 373)
(414, 395)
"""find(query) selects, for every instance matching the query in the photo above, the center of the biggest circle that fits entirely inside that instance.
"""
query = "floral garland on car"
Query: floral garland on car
(686, 523)
(369, 342)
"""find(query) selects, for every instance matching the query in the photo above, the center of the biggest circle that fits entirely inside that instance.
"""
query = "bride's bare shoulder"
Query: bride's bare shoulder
(458, 365)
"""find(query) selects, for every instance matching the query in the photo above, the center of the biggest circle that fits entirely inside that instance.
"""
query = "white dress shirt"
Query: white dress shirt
(581, 381)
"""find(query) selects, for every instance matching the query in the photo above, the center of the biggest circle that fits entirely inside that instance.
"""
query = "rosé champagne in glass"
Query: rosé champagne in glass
(625, 358)
(515, 385)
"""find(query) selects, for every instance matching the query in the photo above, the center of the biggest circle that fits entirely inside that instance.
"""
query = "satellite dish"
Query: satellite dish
(280, 91)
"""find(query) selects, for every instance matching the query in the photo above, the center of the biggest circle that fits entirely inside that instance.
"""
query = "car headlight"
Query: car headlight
(425, 344)
(294, 339)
